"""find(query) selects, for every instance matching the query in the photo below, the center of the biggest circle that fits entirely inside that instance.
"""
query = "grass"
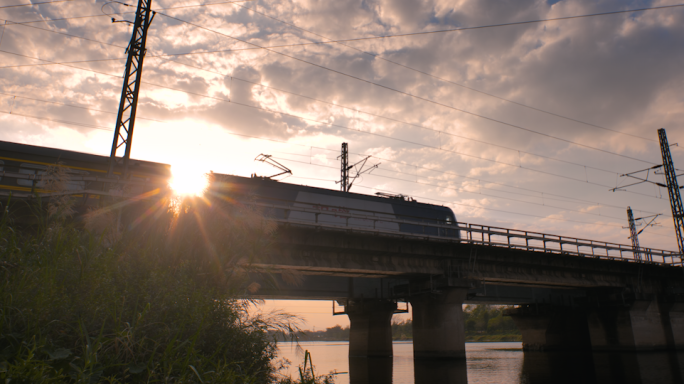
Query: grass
(160, 302)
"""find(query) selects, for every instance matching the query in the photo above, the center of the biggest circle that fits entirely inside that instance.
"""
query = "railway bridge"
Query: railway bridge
(568, 292)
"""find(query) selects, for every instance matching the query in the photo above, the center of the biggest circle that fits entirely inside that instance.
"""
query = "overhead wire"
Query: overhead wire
(475, 206)
(84, 125)
(281, 90)
(461, 190)
(492, 25)
(122, 13)
(411, 95)
(424, 127)
(117, 76)
(40, 3)
(343, 107)
(379, 158)
(378, 56)
(341, 42)
(360, 131)
(319, 165)
(429, 100)
(74, 106)
(466, 205)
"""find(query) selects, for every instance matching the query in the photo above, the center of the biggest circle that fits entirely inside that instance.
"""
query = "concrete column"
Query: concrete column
(675, 314)
(547, 328)
(438, 330)
(370, 329)
(370, 370)
(637, 327)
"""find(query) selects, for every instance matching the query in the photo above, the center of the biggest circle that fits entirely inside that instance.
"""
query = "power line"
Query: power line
(356, 130)
(410, 95)
(34, 4)
(332, 104)
(65, 65)
(84, 125)
(74, 106)
(66, 34)
(443, 79)
(283, 142)
(460, 190)
(120, 13)
(475, 206)
(424, 127)
(471, 206)
(487, 26)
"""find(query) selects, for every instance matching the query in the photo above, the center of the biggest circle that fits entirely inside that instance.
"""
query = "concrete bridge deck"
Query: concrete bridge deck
(570, 293)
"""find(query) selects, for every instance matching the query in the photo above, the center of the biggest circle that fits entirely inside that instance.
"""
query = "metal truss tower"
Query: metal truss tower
(633, 234)
(125, 121)
(344, 168)
(673, 189)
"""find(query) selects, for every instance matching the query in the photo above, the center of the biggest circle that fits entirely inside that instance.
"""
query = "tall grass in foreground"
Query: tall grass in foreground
(158, 303)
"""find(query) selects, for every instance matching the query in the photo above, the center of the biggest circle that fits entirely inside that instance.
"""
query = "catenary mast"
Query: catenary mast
(125, 121)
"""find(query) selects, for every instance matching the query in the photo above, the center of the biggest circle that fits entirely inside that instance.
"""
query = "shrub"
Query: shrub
(159, 302)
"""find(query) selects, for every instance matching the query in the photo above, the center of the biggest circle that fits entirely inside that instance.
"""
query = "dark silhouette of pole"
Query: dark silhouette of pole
(633, 234)
(344, 168)
(125, 121)
(673, 190)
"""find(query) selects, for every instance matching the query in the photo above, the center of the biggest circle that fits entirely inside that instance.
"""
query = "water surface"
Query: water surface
(491, 363)
(485, 363)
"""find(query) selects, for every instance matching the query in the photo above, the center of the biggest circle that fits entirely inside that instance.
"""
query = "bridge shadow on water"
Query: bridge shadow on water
(537, 368)
(379, 371)
(602, 367)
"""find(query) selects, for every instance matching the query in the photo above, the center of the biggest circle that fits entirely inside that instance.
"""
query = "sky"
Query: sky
(525, 126)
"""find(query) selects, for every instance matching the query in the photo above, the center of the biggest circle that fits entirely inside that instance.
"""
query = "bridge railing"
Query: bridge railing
(381, 223)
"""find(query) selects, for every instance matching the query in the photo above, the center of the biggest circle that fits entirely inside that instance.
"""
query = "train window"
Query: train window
(31, 169)
(448, 220)
(76, 185)
(39, 171)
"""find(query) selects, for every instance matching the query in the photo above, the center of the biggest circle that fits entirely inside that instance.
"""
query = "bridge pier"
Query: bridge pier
(641, 326)
(675, 313)
(546, 328)
(370, 329)
(438, 329)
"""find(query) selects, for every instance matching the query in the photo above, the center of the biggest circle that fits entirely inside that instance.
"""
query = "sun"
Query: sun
(188, 181)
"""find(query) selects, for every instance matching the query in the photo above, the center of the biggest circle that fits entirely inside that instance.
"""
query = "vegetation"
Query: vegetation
(307, 375)
(482, 323)
(487, 323)
(158, 303)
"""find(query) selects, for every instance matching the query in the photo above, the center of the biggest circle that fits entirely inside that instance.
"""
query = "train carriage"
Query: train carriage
(23, 166)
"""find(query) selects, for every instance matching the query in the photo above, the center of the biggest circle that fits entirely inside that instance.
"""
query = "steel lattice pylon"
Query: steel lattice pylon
(344, 169)
(125, 121)
(633, 234)
(673, 189)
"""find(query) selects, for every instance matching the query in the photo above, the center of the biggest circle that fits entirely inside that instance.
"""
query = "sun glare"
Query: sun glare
(188, 181)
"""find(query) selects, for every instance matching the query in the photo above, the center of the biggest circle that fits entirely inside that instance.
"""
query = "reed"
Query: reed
(161, 301)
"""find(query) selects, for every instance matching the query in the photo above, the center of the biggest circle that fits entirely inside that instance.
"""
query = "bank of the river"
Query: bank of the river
(482, 323)
(492, 338)
(94, 304)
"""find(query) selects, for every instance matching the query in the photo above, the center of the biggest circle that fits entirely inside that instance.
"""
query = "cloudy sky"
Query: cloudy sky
(522, 126)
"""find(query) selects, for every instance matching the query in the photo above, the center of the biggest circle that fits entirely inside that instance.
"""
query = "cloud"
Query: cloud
(618, 72)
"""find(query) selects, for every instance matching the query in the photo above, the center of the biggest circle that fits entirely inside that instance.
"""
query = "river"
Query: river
(486, 363)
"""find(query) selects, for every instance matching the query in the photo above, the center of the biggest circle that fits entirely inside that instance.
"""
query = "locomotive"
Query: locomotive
(294, 203)
(22, 167)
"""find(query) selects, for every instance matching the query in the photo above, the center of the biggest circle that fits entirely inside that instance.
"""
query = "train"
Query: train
(301, 204)
(22, 167)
